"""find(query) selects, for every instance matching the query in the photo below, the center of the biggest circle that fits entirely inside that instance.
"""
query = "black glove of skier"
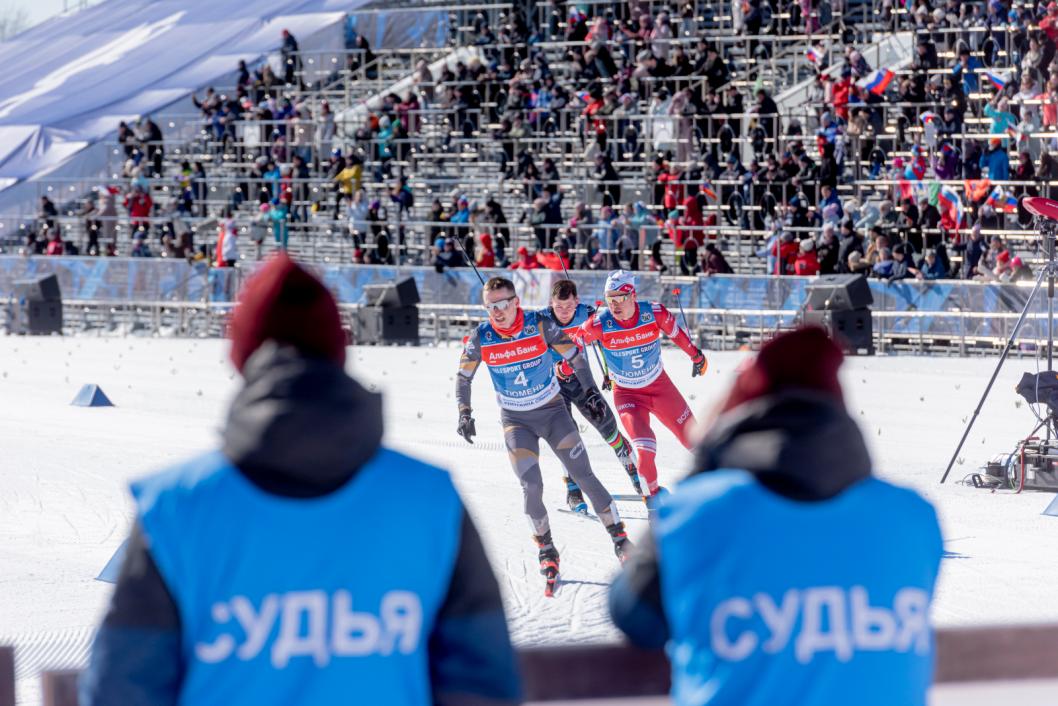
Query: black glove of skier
(699, 364)
(466, 427)
(595, 405)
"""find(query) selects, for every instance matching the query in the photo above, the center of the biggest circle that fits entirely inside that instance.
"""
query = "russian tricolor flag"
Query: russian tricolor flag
(997, 79)
(1002, 201)
(928, 117)
(950, 202)
(814, 54)
(877, 81)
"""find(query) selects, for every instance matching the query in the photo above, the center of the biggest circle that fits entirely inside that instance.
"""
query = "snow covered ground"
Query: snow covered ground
(64, 508)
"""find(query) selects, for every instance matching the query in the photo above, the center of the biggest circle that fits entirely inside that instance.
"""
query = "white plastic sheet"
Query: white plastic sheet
(67, 82)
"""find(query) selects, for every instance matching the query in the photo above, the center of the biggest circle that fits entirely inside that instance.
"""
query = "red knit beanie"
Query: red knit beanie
(285, 303)
(805, 359)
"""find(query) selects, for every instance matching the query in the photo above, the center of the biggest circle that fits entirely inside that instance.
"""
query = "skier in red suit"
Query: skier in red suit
(630, 333)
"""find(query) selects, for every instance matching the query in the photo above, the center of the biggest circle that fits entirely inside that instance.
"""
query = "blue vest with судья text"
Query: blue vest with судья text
(285, 602)
(773, 602)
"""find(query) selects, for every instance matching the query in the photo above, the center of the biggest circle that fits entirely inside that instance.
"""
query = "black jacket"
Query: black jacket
(797, 444)
(300, 428)
(828, 258)
(846, 246)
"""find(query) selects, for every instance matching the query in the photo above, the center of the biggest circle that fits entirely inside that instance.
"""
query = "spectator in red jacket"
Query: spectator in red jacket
(55, 244)
(806, 263)
(486, 256)
(840, 91)
(785, 252)
(673, 194)
(525, 260)
(1049, 24)
(557, 259)
(139, 204)
(692, 218)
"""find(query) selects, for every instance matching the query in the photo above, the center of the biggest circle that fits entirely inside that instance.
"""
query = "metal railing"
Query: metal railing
(713, 328)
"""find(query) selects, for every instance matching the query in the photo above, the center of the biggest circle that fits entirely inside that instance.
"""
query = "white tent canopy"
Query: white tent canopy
(68, 82)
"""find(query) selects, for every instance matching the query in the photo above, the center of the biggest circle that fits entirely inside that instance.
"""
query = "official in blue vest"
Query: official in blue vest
(303, 562)
(783, 572)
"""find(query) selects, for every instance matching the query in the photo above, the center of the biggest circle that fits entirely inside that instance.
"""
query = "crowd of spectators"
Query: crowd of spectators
(672, 149)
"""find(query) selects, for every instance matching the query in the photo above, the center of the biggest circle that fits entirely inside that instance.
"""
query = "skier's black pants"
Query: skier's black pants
(522, 432)
(575, 393)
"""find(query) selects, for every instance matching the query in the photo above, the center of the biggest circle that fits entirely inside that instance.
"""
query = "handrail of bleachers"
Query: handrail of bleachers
(346, 130)
(774, 41)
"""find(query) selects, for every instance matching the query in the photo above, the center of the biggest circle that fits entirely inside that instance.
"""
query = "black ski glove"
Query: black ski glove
(700, 363)
(596, 405)
(466, 427)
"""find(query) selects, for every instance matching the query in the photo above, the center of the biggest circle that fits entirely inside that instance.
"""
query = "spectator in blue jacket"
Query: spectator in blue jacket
(830, 204)
(461, 216)
(996, 160)
(931, 266)
(998, 110)
(302, 562)
(775, 572)
(966, 69)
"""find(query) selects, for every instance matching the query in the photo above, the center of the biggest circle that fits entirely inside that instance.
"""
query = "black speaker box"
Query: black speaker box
(392, 294)
(42, 318)
(852, 330)
(38, 289)
(838, 292)
(378, 324)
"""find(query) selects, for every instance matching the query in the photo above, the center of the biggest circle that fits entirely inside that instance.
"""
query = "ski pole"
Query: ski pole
(470, 260)
(563, 263)
(676, 293)
(607, 384)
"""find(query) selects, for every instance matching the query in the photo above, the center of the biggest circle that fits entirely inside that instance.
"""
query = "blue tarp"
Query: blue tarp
(146, 279)
(400, 28)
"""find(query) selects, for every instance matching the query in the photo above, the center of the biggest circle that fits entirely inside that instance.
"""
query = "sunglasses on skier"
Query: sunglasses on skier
(618, 298)
(500, 305)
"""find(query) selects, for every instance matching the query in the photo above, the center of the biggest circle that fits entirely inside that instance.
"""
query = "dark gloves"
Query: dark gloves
(466, 427)
(699, 364)
(595, 405)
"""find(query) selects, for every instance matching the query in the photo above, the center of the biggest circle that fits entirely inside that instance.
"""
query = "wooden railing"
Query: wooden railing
(7, 676)
(977, 654)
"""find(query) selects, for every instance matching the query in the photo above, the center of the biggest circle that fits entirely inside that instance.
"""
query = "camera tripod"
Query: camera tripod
(1045, 221)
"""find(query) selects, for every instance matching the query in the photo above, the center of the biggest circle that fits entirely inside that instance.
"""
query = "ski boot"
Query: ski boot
(628, 459)
(621, 544)
(548, 562)
(575, 498)
(652, 500)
